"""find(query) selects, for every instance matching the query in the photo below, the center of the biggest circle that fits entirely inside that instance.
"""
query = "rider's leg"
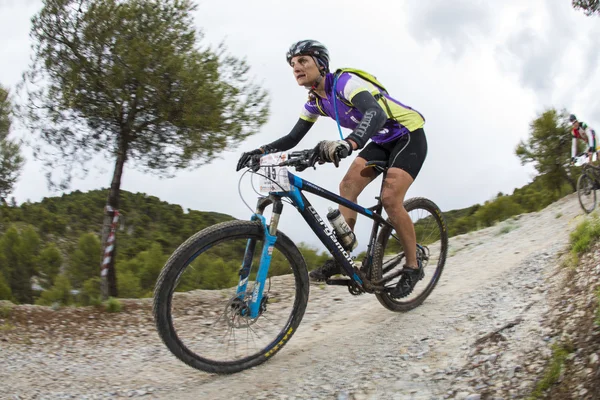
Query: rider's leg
(405, 163)
(395, 186)
(353, 183)
(404, 166)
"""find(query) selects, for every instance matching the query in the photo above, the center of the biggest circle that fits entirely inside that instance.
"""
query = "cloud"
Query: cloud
(589, 55)
(536, 60)
(536, 47)
(454, 24)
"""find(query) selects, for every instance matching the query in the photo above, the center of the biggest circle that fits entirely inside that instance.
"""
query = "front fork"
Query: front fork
(270, 236)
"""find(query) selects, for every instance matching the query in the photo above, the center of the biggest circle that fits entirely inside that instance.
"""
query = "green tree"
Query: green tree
(548, 148)
(11, 161)
(153, 264)
(130, 80)
(462, 225)
(59, 293)
(13, 267)
(49, 263)
(30, 249)
(219, 273)
(90, 294)
(5, 292)
(84, 262)
(589, 7)
(129, 285)
(312, 257)
(496, 210)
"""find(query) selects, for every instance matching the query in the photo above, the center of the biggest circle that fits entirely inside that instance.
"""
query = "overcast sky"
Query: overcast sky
(478, 71)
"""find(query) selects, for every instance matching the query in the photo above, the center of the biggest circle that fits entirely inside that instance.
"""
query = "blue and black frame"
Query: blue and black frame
(319, 227)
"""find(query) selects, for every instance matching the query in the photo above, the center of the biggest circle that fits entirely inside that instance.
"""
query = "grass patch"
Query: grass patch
(570, 261)
(585, 235)
(552, 372)
(557, 216)
(505, 229)
(7, 326)
(113, 305)
(5, 311)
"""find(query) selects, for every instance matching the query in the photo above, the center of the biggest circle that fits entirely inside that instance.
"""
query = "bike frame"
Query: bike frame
(591, 170)
(319, 227)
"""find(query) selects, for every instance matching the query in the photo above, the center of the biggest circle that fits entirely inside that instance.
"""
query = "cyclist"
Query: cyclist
(382, 129)
(580, 130)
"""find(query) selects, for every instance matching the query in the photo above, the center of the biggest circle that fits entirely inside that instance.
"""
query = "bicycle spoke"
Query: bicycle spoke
(430, 234)
(586, 192)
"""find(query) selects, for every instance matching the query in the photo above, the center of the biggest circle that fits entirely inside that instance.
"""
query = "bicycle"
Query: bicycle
(257, 306)
(587, 183)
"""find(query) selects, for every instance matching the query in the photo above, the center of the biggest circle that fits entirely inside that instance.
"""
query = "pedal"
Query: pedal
(338, 282)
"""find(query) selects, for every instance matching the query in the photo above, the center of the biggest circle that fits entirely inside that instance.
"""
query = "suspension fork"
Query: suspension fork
(270, 236)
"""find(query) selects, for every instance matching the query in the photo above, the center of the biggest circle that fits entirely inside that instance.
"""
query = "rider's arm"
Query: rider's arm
(590, 137)
(573, 147)
(360, 93)
(372, 121)
(291, 139)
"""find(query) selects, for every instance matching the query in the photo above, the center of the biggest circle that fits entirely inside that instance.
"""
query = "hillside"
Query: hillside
(145, 220)
(56, 244)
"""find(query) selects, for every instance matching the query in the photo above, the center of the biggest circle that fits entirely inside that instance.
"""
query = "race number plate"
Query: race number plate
(272, 177)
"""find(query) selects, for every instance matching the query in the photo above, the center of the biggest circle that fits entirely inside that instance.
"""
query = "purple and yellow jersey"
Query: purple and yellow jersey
(401, 118)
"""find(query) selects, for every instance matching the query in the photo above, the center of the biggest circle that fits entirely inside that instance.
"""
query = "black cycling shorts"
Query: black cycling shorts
(407, 153)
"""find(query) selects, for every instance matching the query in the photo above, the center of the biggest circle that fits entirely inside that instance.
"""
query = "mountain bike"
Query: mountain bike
(265, 304)
(587, 183)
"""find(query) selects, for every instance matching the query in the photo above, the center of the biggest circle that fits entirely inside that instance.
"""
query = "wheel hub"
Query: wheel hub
(237, 311)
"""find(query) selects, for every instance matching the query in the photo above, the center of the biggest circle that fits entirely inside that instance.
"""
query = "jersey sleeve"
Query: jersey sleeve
(309, 112)
(349, 85)
(589, 132)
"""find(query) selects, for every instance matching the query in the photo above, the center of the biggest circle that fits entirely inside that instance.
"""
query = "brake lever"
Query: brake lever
(254, 162)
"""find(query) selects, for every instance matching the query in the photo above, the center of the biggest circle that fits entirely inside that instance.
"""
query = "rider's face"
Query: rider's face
(576, 125)
(305, 70)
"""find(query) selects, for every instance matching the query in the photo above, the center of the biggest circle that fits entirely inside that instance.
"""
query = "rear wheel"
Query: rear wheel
(432, 246)
(586, 193)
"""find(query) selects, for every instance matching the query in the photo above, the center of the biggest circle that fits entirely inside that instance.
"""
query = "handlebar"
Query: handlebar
(301, 159)
(578, 161)
(297, 159)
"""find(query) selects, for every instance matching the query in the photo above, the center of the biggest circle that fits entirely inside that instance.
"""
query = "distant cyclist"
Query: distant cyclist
(581, 131)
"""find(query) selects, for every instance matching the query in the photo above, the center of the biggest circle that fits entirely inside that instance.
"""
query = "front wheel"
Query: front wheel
(586, 193)
(204, 322)
(432, 247)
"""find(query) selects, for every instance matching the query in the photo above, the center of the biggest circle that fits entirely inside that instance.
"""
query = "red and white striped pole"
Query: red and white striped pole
(109, 247)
